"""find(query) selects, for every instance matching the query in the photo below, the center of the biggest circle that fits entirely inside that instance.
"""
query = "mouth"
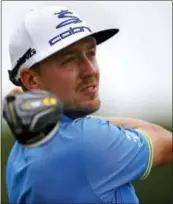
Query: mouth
(90, 89)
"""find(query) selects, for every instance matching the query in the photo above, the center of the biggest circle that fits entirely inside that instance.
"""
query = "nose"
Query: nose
(88, 67)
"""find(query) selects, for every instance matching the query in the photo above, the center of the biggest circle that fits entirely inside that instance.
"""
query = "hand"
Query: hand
(32, 116)
(15, 91)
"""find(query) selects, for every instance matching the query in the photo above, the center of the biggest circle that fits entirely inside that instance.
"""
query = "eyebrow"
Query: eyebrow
(92, 45)
(66, 52)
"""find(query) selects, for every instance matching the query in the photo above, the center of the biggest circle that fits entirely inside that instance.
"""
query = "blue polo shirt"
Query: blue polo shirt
(87, 161)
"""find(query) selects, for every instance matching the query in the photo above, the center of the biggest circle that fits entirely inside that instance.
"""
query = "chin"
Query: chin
(83, 109)
(90, 101)
(92, 105)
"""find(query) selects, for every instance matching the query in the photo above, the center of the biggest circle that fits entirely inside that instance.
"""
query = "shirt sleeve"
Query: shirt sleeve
(114, 156)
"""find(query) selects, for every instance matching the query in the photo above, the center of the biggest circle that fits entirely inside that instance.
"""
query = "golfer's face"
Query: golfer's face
(73, 75)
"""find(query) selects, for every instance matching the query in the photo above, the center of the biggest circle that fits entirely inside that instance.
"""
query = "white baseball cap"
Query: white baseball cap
(45, 31)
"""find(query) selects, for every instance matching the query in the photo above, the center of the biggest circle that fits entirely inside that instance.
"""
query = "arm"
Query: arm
(113, 156)
(160, 138)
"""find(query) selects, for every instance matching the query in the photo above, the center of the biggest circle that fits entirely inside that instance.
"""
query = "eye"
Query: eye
(91, 53)
(68, 60)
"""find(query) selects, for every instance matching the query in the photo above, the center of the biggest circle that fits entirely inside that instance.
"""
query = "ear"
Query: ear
(29, 79)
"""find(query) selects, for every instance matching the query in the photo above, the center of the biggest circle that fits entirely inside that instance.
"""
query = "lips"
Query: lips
(90, 87)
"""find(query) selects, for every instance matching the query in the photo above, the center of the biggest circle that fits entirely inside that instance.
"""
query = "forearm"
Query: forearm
(126, 122)
(162, 143)
(161, 138)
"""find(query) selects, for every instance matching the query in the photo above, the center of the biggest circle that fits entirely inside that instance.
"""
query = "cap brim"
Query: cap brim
(104, 35)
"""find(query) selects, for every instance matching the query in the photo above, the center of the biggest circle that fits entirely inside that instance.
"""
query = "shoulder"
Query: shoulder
(90, 124)
(20, 158)
(96, 131)
(100, 136)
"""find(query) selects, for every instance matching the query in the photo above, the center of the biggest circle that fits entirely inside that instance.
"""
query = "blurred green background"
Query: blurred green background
(157, 188)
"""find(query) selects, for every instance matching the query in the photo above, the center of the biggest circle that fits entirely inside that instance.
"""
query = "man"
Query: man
(89, 160)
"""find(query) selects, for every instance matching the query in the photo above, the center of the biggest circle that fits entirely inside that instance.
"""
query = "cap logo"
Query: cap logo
(27, 55)
(69, 19)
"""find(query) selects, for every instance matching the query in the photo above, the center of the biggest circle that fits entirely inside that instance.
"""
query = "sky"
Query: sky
(135, 65)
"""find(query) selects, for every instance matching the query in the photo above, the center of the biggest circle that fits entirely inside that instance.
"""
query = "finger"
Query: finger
(15, 91)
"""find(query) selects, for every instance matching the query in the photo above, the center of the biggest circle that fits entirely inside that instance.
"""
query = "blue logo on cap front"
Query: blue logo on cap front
(69, 19)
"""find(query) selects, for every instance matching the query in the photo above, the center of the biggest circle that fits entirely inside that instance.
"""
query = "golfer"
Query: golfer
(89, 160)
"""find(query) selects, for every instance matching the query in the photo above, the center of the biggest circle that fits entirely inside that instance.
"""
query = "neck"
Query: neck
(74, 114)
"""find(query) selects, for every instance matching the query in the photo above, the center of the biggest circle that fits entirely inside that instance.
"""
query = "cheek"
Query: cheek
(97, 70)
(62, 84)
